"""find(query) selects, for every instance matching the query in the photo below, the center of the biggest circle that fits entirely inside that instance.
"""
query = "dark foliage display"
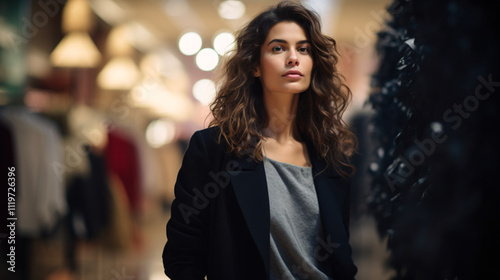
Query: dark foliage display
(435, 188)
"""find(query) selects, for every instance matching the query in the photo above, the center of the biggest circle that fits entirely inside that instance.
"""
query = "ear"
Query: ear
(256, 72)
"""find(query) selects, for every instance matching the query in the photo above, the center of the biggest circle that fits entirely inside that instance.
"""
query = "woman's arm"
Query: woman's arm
(185, 253)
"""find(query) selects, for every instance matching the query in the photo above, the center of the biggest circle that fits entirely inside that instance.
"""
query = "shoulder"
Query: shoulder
(207, 134)
(208, 137)
(206, 142)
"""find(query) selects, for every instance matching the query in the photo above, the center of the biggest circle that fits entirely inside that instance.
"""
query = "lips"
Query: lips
(293, 74)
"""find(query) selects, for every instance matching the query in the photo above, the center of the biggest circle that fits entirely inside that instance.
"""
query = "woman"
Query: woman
(263, 192)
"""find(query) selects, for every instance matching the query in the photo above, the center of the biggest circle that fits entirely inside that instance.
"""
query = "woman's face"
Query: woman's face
(285, 60)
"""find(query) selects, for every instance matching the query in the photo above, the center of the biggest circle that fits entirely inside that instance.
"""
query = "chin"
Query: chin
(298, 90)
(289, 89)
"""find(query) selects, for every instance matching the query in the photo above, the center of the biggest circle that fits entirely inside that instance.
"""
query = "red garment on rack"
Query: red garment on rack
(122, 159)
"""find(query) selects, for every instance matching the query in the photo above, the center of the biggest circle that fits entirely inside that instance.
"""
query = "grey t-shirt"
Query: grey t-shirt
(295, 222)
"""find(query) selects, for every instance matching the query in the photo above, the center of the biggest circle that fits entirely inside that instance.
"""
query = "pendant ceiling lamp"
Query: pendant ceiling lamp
(76, 49)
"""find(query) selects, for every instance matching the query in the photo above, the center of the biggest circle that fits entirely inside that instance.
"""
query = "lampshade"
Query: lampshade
(120, 73)
(117, 43)
(77, 16)
(76, 49)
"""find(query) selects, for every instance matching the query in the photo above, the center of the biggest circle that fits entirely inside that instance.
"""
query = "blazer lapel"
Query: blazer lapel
(250, 187)
(331, 196)
(332, 193)
(329, 189)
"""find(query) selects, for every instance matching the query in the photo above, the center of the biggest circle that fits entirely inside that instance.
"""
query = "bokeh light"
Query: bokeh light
(231, 9)
(224, 42)
(204, 91)
(207, 59)
(160, 132)
(190, 43)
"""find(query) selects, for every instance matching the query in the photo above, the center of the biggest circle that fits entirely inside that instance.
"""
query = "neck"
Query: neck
(281, 110)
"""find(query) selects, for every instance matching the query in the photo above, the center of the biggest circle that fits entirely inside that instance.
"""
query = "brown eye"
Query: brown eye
(304, 50)
(277, 49)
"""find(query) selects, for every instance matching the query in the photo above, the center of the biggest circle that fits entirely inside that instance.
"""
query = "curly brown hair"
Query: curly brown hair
(238, 108)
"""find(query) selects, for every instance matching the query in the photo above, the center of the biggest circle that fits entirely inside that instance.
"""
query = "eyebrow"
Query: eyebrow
(284, 41)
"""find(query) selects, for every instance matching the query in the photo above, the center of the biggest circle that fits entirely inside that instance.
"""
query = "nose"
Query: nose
(292, 60)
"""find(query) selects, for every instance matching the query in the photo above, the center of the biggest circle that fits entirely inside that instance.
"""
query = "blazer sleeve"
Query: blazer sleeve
(185, 253)
(346, 207)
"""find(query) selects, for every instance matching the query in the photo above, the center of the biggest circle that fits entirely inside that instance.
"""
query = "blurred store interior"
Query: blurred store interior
(105, 94)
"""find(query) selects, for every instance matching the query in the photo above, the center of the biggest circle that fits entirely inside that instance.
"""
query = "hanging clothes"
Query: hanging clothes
(119, 233)
(89, 199)
(122, 159)
(6, 161)
(40, 202)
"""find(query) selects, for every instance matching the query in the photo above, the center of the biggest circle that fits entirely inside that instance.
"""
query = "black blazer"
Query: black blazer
(219, 223)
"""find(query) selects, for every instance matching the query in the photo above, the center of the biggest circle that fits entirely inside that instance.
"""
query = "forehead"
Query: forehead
(287, 30)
